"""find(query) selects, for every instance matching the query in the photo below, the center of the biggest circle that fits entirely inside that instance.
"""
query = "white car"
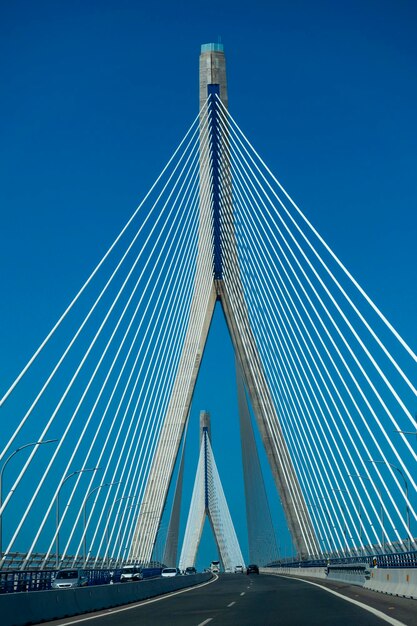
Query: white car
(238, 569)
(169, 572)
(129, 573)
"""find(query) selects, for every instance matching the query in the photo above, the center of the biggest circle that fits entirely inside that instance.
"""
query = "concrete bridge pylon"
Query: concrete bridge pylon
(221, 283)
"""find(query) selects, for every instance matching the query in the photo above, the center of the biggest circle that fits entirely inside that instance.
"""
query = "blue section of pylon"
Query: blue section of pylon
(212, 92)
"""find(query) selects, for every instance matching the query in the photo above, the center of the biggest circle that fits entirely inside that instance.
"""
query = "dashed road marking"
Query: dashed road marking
(231, 604)
(205, 621)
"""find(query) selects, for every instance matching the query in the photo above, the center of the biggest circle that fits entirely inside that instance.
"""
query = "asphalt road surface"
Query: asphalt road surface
(237, 599)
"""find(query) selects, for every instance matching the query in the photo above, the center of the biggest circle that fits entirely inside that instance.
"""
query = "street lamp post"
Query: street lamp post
(407, 432)
(359, 513)
(382, 508)
(406, 495)
(107, 523)
(27, 445)
(344, 520)
(330, 524)
(80, 471)
(85, 515)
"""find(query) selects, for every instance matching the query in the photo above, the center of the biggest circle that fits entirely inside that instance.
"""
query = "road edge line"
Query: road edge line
(371, 609)
(113, 610)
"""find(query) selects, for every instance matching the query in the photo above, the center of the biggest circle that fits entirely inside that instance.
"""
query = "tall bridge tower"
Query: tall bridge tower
(223, 283)
(208, 500)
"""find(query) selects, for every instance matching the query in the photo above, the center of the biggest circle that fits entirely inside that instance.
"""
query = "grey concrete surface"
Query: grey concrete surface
(19, 609)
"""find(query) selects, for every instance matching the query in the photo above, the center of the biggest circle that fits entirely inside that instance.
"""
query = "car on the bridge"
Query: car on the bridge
(69, 578)
(238, 569)
(252, 569)
(190, 570)
(129, 573)
(169, 572)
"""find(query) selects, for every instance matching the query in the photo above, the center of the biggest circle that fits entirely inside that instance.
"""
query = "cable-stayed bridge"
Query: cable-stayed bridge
(93, 427)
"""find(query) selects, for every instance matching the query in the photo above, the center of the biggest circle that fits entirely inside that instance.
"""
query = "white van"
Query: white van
(129, 573)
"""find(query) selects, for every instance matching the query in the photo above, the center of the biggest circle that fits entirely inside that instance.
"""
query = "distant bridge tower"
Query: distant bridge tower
(208, 500)
(217, 278)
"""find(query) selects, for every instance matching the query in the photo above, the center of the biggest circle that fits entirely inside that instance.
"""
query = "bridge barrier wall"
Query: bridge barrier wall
(396, 582)
(393, 581)
(33, 607)
(314, 572)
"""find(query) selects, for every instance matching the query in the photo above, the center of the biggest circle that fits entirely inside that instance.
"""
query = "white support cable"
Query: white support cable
(225, 226)
(283, 410)
(138, 419)
(192, 325)
(278, 324)
(185, 384)
(75, 299)
(79, 404)
(294, 413)
(299, 383)
(322, 241)
(50, 377)
(390, 387)
(361, 369)
(195, 518)
(293, 491)
(347, 430)
(389, 441)
(162, 290)
(220, 516)
(154, 326)
(162, 250)
(250, 294)
(270, 298)
(161, 411)
(186, 378)
(342, 381)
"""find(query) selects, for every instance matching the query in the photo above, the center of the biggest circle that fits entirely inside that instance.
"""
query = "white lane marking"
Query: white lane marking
(231, 604)
(380, 614)
(205, 622)
(139, 604)
(243, 593)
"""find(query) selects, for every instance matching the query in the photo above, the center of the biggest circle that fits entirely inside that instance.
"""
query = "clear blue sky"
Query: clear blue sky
(97, 94)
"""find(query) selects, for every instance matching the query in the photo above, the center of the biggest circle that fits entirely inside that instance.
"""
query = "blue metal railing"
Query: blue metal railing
(398, 559)
(41, 580)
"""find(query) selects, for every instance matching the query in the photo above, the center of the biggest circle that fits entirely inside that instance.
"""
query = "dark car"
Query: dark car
(252, 569)
(190, 570)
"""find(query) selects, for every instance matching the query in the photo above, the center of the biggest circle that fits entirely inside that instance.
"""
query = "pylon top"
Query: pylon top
(212, 47)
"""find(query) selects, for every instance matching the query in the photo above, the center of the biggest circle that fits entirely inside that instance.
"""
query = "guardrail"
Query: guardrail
(41, 580)
(398, 559)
